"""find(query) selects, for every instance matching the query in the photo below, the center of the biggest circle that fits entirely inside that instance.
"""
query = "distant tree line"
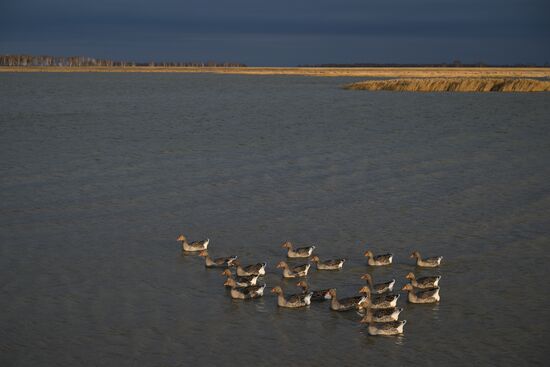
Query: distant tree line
(456, 63)
(70, 61)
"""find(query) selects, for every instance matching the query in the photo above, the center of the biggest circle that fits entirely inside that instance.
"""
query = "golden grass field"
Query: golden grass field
(454, 85)
(383, 72)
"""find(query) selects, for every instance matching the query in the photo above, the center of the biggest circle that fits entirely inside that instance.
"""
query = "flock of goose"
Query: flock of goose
(375, 301)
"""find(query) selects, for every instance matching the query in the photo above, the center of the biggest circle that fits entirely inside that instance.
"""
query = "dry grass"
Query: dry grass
(454, 85)
(419, 72)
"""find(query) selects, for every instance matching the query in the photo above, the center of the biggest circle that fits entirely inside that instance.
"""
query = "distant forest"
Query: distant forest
(70, 61)
(456, 63)
(75, 61)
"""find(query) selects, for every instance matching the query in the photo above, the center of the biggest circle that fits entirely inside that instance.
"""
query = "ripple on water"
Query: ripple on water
(91, 272)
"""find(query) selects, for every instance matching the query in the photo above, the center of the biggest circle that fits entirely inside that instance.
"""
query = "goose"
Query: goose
(380, 287)
(424, 282)
(193, 246)
(328, 264)
(381, 315)
(378, 260)
(299, 252)
(345, 304)
(380, 301)
(293, 301)
(256, 269)
(386, 328)
(240, 281)
(221, 262)
(296, 272)
(429, 262)
(320, 295)
(252, 291)
(422, 295)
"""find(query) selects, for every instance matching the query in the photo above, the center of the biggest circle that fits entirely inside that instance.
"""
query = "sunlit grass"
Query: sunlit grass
(454, 85)
(400, 72)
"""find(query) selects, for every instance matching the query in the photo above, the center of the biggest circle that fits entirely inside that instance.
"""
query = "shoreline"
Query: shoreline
(383, 72)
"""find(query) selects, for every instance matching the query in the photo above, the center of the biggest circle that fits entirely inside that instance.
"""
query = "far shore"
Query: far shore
(374, 72)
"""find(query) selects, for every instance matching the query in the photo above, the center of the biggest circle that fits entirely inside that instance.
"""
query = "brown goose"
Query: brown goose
(422, 295)
(429, 262)
(380, 301)
(256, 269)
(424, 282)
(378, 260)
(295, 272)
(386, 328)
(293, 301)
(321, 295)
(380, 287)
(381, 315)
(299, 252)
(252, 291)
(345, 304)
(336, 264)
(220, 262)
(240, 281)
(192, 246)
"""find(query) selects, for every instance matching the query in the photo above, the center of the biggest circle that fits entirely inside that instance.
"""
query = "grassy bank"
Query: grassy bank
(401, 72)
(454, 85)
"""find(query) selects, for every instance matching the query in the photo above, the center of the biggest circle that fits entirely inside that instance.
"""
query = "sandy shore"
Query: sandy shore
(418, 72)
(454, 85)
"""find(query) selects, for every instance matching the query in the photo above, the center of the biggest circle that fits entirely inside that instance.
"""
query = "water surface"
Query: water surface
(101, 172)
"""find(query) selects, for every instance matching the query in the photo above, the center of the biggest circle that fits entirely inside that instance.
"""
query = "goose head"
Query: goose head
(368, 253)
(203, 253)
(227, 273)
(415, 254)
(230, 282)
(181, 238)
(367, 277)
(236, 262)
(367, 319)
(315, 259)
(407, 288)
(410, 276)
(282, 265)
(277, 290)
(365, 290)
(287, 245)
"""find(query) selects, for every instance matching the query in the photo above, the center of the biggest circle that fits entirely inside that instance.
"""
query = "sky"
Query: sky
(281, 32)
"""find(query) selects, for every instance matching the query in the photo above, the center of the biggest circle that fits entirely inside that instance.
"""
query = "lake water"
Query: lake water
(101, 172)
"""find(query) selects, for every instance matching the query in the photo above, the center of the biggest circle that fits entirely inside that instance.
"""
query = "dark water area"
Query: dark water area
(101, 172)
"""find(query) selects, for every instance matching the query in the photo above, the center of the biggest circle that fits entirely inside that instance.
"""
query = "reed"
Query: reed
(454, 85)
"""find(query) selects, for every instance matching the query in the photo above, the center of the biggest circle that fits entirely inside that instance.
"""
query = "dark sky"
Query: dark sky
(281, 32)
